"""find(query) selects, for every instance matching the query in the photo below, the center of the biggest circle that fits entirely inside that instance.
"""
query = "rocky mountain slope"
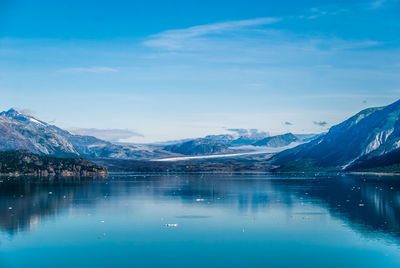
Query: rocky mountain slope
(372, 136)
(20, 131)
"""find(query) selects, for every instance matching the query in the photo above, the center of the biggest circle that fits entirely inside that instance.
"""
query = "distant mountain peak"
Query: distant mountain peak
(278, 140)
(11, 113)
(14, 114)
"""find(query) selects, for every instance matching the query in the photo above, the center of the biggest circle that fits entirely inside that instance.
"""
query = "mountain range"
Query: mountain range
(225, 143)
(366, 141)
(20, 131)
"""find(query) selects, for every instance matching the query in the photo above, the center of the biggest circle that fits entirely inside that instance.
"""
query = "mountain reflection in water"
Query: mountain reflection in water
(368, 205)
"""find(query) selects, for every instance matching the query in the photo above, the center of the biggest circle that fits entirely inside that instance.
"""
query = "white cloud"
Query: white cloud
(94, 69)
(218, 38)
(26, 111)
(377, 4)
(174, 39)
(106, 134)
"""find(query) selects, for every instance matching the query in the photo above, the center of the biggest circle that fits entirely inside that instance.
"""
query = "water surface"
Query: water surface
(152, 220)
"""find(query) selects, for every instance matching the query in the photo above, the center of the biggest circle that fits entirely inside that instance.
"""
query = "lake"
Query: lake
(201, 220)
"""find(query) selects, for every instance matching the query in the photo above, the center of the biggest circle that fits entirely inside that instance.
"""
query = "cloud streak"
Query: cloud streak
(94, 69)
(251, 133)
(175, 39)
(377, 4)
(320, 123)
(106, 134)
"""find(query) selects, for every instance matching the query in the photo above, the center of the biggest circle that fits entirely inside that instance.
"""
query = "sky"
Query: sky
(166, 70)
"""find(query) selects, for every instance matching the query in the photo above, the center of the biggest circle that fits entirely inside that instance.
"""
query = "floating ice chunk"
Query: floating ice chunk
(171, 225)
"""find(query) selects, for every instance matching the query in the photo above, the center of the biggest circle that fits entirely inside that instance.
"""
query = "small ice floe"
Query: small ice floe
(50, 192)
(199, 200)
(10, 208)
(361, 205)
(171, 225)
(102, 221)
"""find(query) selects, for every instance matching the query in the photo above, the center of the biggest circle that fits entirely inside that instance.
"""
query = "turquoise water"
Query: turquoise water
(201, 221)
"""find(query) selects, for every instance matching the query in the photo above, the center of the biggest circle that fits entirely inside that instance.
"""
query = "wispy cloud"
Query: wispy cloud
(94, 69)
(26, 111)
(315, 13)
(106, 134)
(377, 4)
(252, 133)
(175, 39)
(248, 38)
(320, 123)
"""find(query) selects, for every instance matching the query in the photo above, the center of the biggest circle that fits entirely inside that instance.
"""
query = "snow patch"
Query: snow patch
(36, 121)
(380, 138)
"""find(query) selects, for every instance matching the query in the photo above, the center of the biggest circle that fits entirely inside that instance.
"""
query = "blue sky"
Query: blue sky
(176, 69)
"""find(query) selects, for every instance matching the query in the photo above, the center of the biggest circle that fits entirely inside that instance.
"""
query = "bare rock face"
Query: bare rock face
(22, 162)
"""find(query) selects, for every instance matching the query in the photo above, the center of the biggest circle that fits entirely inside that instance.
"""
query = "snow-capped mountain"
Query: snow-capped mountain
(373, 133)
(20, 131)
(201, 146)
(225, 143)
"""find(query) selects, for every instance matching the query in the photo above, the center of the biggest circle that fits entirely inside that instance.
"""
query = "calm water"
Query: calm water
(215, 221)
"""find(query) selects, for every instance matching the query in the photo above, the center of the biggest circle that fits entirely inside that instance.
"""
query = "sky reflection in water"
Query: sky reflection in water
(222, 220)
